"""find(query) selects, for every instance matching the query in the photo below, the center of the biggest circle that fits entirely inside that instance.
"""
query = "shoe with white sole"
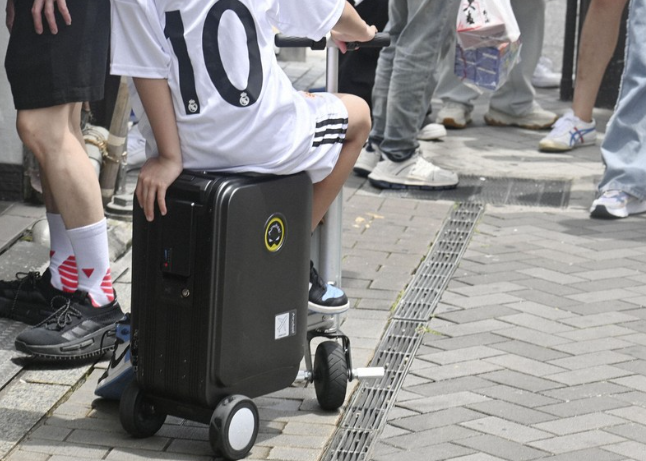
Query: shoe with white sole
(325, 298)
(454, 115)
(536, 119)
(569, 132)
(544, 75)
(613, 204)
(368, 159)
(431, 132)
(414, 173)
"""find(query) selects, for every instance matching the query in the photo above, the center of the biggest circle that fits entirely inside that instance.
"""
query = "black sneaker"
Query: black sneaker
(77, 330)
(325, 298)
(28, 298)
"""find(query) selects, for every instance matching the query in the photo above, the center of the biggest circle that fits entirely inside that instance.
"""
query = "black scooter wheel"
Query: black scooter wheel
(234, 427)
(330, 375)
(138, 416)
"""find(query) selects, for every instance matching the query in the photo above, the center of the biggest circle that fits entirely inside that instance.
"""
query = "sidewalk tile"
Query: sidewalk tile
(502, 448)
(580, 441)
(506, 429)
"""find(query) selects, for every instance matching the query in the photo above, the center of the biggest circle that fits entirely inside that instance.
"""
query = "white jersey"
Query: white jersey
(236, 109)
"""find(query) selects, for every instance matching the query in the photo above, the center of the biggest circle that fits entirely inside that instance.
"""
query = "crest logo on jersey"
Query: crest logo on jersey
(275, 233)
(192, 106)
(244, 99)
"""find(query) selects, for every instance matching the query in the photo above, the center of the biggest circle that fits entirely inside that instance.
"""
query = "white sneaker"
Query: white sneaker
(544, 75)
(414, 173)
(569, 132)
(454, 115)
(431, 132)
(368, 159)
(616, 204)
(537, 119)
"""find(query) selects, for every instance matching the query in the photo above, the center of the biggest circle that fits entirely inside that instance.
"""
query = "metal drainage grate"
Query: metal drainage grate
(367, 412)
(498, 191)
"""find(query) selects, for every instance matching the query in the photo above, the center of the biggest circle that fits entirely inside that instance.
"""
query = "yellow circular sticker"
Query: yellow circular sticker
(274, 233)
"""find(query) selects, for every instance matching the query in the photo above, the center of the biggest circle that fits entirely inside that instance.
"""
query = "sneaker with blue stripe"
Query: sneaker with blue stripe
(569, 132)
(120, 371)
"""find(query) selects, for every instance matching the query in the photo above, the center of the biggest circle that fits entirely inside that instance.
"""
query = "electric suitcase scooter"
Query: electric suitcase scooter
(219, 304)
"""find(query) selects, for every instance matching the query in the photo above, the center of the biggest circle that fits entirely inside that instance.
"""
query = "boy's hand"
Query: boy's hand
(47, 7)
(157, 174)
(341, 39)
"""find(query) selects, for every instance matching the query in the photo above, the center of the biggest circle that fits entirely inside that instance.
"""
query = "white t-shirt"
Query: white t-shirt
(236, 109)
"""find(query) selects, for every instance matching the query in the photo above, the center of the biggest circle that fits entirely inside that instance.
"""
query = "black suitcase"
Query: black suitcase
(219, 303)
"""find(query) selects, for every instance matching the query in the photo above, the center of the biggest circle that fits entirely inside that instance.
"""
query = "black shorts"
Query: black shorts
(48, 70)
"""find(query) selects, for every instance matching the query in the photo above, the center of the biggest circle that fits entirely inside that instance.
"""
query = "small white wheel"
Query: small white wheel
(234, 427)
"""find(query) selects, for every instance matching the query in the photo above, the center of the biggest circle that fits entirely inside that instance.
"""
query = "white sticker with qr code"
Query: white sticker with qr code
(285, 325)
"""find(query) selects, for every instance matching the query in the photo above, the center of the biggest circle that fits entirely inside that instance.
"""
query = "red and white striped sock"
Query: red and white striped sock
(90, 245)
(62, 262)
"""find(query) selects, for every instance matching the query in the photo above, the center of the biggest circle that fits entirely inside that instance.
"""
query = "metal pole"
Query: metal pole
(569, 50)
(329, 240)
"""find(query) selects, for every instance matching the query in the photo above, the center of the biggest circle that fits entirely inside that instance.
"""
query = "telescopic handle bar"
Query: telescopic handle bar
(380, 40)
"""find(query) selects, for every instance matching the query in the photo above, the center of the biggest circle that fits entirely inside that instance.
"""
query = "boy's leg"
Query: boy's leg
(358, 129)
(323, 297)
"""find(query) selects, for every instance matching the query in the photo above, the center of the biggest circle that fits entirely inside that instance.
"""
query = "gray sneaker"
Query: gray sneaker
(368, 159)
(536, 119)
(414, 173)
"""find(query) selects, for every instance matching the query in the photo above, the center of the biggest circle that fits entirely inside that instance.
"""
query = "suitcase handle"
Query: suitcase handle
(380, 40)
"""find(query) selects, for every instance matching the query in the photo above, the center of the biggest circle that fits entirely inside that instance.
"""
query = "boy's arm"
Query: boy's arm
(351, 28)
(158, 173)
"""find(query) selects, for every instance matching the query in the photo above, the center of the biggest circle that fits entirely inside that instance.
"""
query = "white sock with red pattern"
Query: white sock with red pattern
(62, 263)
(90, 245)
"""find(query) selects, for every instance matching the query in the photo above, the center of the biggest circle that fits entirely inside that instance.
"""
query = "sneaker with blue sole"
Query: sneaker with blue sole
(120, 371)
(325, 298)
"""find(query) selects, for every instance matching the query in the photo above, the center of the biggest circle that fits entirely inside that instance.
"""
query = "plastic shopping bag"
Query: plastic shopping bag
(483, 23)
(488, 43)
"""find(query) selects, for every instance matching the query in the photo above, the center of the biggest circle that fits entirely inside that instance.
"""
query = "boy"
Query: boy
(215, 97)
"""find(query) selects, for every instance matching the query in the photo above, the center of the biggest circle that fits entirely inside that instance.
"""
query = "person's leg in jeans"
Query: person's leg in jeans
(513, 104)
(623, 186)
(403, 85)
(516, 98)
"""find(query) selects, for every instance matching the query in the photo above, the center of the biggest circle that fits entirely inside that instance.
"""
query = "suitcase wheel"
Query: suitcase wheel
(234, 427)
(137, 414)
(330, 375)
